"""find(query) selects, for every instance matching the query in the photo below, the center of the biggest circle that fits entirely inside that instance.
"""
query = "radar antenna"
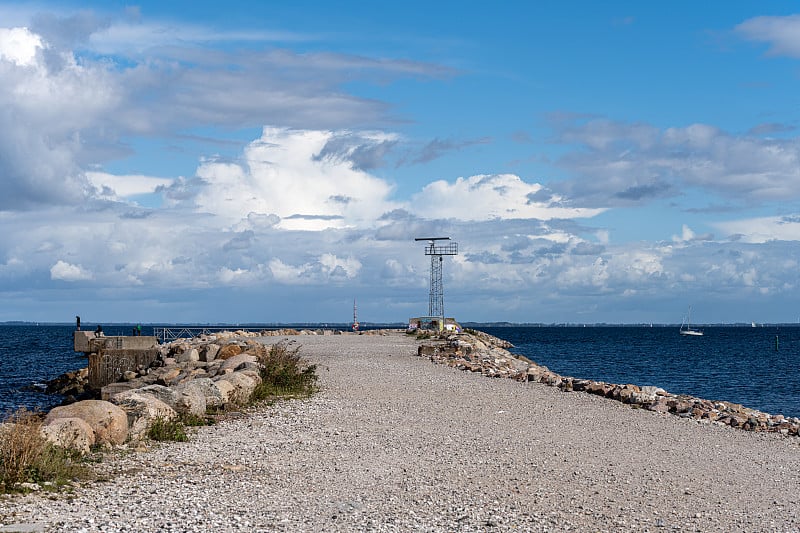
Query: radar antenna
(436, 251)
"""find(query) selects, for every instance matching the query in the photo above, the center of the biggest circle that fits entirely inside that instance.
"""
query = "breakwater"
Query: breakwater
(489, 355)
(207, 373)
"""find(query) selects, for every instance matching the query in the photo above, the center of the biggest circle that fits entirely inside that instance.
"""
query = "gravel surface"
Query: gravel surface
(395, 443)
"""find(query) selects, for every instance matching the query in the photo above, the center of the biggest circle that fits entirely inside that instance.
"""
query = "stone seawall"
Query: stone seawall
(193, 376)
(209, 372)
(480, 352)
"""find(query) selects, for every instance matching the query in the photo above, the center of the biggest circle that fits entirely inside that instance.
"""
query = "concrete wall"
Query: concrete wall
(86, 342)
(80, 340)
(108, 365)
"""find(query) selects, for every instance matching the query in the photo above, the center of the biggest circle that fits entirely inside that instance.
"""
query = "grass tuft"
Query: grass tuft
(27, 457)
(174, 429)
(284, 374)
(167, 429)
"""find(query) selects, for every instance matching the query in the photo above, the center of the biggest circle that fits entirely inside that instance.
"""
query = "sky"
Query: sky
(273, 162)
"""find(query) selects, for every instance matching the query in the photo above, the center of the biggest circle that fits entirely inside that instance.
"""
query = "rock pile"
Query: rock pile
(72, 386)
(479, 352)
(190, 376)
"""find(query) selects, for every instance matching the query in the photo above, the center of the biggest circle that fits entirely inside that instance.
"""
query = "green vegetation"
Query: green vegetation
(27, 457)
(174, 429)
(283, 374)
(193, 420)
(168, 429)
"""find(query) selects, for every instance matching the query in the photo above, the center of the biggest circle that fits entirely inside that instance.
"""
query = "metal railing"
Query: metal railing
(167, 334)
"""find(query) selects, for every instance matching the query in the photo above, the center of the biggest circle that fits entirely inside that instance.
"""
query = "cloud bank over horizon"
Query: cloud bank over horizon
(260, 175)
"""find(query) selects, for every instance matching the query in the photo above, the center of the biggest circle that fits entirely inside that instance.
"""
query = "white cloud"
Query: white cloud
(281, 175)
(239, 276)
(486, 197)
(52, 109)
(686, 234)
(781, 33)
(302, 216)
(348, 266)
(122, 187)
(622, 164)
(67, 272)
(762, 229)
(19, 46)
(324, 269)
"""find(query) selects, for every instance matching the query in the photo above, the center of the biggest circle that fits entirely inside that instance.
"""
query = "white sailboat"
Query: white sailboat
(686, 328)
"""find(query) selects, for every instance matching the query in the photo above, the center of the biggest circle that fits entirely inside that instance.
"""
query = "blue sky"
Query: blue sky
(273, 161)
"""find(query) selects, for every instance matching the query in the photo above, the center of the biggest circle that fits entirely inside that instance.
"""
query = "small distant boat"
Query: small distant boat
(752, 324)
(686, 328)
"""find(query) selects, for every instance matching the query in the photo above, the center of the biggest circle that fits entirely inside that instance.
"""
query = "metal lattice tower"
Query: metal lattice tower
(436, 251)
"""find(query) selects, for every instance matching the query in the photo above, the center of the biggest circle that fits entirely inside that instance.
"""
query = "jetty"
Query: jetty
(111, 356)
(398, 439)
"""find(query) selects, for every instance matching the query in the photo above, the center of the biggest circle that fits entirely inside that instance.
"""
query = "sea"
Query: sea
(758, 367)
(31, 355)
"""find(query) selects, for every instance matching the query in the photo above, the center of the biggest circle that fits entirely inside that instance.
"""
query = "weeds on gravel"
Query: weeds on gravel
(174, 429)
(284, 373)
(27, 457)
(167, 429)
(193, 420)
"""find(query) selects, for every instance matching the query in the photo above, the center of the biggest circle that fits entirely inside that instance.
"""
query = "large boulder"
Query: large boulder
(214, 399)
(253, 374)
(236, 361)
(70, 433)
(227, 390)
(236, 387)
(209, 352)
(160, 392)
(142, 410)
(228, 351)
(190, 398)
(108, 421)
(189, 356)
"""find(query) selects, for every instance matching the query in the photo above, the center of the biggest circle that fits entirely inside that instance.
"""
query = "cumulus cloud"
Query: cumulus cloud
(282, 174)
(75, 87)
(326, 268)
(687, 235)
(68, 272)
(19, 46)
(47, 111)
(306, 212)
(484, 197)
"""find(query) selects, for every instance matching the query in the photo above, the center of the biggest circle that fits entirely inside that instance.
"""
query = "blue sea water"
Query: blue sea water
(738, 364)
(30, 355)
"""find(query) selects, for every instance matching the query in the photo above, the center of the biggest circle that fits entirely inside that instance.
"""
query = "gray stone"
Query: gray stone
(71, 433)
(190, 398)
(142, 410)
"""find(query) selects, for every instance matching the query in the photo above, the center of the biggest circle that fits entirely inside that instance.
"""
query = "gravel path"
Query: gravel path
(396, 443)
